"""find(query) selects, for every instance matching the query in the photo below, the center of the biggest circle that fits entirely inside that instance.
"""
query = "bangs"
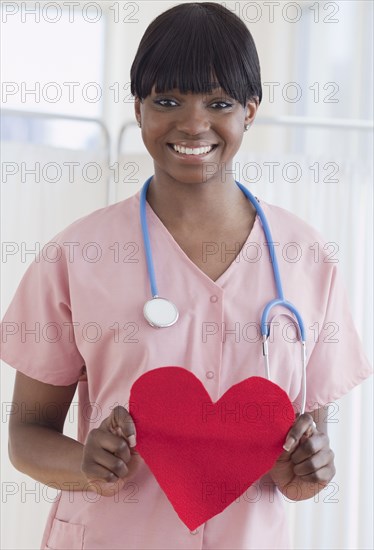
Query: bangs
(197, 51)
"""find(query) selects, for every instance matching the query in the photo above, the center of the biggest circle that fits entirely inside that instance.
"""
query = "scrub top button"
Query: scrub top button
(210, 374)
(214, 298)
(194, 532)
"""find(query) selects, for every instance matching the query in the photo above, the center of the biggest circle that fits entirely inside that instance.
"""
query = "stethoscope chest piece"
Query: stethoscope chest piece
(160, 312)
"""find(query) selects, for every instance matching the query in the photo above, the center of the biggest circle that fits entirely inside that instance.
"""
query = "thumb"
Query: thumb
(120, 423)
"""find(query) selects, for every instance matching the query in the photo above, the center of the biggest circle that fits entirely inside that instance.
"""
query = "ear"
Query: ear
(251, 110)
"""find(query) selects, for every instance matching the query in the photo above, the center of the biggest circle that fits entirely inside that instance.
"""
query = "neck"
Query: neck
(190, 205)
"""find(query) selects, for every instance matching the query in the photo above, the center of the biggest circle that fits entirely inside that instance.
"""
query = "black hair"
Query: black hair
(197, 47)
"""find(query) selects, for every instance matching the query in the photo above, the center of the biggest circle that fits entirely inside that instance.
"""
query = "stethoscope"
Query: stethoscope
(161, 313)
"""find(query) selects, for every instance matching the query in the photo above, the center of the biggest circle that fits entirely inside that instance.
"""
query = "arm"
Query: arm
(38, 448)
(307, 466)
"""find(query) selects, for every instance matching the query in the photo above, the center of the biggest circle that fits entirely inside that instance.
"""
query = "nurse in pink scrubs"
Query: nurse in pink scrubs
(197, 87)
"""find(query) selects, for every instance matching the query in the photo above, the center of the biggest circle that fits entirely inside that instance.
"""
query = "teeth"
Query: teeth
(192, 151)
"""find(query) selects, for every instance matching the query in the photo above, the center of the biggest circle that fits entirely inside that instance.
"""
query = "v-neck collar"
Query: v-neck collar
(151, 214)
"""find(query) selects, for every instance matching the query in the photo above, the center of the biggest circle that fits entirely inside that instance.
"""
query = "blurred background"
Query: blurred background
(70, 145)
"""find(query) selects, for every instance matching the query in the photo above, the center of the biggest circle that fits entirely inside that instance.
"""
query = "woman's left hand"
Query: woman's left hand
(307, 466)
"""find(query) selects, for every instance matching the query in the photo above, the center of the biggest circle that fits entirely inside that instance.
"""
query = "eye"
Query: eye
(164, 102)
(222, 105)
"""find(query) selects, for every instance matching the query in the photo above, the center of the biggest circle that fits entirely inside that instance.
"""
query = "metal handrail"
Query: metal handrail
(338, 123)
(74, 118)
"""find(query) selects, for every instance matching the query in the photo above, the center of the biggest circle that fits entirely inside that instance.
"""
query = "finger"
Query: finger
(105, 466)
(302, 424)
(100, 474)
(311, 430)
(310, 446)
(314, 463)
(324, 475)
(121, 418)
(100, 439)
(119, 433)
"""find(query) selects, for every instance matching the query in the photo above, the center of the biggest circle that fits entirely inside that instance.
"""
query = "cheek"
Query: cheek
(234, 138)
(234, 130)
(154, 125)
(154, 132)
(152, 137)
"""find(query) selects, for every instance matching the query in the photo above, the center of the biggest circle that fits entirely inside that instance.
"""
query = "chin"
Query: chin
(194, 179)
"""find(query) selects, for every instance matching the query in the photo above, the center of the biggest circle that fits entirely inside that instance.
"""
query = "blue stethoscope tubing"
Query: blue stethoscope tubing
(278, 301)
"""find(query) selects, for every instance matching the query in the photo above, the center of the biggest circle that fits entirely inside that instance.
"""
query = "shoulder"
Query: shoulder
(288, 222)
(299, 242)
(288, 227)
(113, 221)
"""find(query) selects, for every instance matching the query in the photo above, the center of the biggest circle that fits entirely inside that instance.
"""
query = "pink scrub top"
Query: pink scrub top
(83, 299)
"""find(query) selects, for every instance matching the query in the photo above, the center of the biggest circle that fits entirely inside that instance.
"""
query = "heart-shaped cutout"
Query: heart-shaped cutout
(205, 455)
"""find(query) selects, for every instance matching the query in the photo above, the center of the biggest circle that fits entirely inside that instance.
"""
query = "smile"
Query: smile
(192, 150)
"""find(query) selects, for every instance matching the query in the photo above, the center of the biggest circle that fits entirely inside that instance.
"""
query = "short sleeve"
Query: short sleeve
(337, 362)
(37, 336)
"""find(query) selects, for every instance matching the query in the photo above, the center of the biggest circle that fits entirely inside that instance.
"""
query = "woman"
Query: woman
(197, 87)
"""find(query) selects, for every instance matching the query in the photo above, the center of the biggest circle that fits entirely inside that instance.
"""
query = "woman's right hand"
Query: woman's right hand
(108, 458)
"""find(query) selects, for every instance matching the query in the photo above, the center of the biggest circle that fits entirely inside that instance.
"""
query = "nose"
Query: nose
(193, 119)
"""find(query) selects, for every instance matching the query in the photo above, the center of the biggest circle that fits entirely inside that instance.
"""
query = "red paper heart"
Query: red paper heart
(205, 455)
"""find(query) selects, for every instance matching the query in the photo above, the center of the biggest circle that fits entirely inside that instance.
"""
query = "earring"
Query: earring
(139, 124)
(246, 127)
